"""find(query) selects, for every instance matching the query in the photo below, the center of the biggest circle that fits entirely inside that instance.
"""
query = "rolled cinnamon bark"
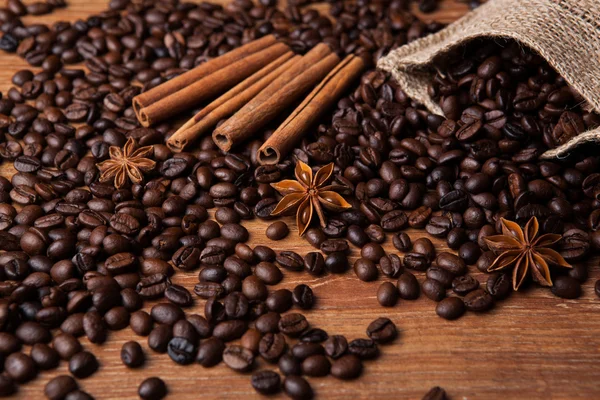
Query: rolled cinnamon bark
(275, 98)
(289, 133)
(173, 85)
(229, 103)
(209, 86)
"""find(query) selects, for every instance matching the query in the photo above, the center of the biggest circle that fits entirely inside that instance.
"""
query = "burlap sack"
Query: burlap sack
(565, 32)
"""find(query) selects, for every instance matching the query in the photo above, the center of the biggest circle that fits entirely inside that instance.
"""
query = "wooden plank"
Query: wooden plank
(533, 345)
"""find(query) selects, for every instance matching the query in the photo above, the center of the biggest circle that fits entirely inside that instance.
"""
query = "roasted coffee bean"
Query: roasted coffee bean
(450, 308)
(272, 346)
(152, 389)
(297, 388)
(210, 352)
(334, 245)
(365, 269)
(132, 354)
(44, 356)
(391, 266)
(316, 365)
(336, 262)
(153, 286)
(303, 297)
(433, 289)
(499, 285)
(290, 260)
(478, 300)
(277, 230)
(435, 393)
(347, 367)
(293, 324)
(408, 286)
(364, 349)
(83, 364)
(289, 365)
(566, 287)
(179, 295)
(314, 263)
(141, 323)
(462, 285)
(451, 263)
(279, 301)
(335, 346)
(382, 330)
(372, 251)
(238, 358)
(59, 387)
(159, 338)
(402, 241)
(181, 350)
(266, 382)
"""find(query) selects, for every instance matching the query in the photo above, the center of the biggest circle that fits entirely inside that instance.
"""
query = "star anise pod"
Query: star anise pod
(525, 251)
(309, 194)
(127, 163)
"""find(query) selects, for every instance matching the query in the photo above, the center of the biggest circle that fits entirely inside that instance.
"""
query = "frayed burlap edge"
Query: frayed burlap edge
(565, 32)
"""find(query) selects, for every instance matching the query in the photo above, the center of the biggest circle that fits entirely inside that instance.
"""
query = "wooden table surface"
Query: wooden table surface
(533, 345)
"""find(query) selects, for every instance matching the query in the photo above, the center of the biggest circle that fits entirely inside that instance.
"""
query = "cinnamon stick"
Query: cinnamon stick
(229, 103)
(209, 86)
(173, 85)
(279, 95)
(289, 133)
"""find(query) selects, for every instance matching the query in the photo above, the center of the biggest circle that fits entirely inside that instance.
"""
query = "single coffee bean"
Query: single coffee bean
(44, 356)
(277, 230)
(364, 349)
(297, 388)
(159, 338)
(347, 367)
(316, 365)
(499, 285)
(289, 365)
(272, 346)
(238, 358)
(336, 263)
(290, 260)
(314, 263)
(141, 323)
(293, 324)
(462, 285)
(435, 393)
(387, 294)
(365, 269)
(336, 346)
(210, 352)
(478, 300)
(181, 350)
(266, 382)
(408, 286)
(566, 287)
(83, 364)
(450, 308)
(152, 389)
(59, 387)
(132, 354)
(382, 330)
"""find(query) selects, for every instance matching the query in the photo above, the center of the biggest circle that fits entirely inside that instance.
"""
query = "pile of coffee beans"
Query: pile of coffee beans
(82, 258)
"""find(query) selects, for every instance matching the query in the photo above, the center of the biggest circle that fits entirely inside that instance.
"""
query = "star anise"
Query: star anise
(308, 194)
(525, 251)
(127, 163)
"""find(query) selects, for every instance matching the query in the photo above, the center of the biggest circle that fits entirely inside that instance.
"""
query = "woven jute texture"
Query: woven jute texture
(565, 32)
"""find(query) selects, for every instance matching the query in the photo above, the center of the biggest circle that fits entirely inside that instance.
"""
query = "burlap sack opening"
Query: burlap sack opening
(565, 32)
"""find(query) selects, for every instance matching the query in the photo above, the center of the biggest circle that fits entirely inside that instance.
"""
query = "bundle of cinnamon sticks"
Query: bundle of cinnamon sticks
(261, 80)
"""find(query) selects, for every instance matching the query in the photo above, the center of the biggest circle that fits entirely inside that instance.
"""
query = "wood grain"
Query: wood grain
(533, 345)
